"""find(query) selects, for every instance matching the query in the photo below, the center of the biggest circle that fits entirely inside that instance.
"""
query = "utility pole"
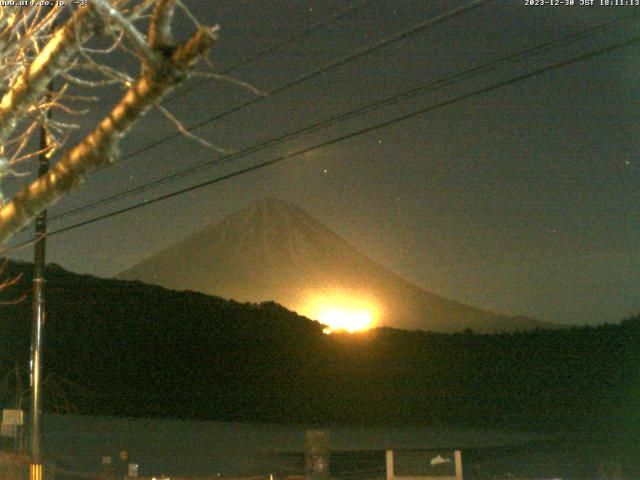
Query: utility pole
(35, 472)
(38, 318)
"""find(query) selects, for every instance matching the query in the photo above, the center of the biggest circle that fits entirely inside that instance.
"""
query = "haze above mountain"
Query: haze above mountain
(273, 250)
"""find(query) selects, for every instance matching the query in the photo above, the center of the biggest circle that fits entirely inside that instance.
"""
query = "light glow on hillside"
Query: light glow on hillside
(341, 312)
(338, 319)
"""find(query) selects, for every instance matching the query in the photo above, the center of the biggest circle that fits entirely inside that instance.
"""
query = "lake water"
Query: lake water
(182, 448)
(199, 448)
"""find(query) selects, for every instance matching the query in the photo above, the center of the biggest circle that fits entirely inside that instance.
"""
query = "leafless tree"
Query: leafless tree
(40, 44)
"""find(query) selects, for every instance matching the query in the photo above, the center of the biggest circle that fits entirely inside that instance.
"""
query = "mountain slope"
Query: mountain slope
(273, 250)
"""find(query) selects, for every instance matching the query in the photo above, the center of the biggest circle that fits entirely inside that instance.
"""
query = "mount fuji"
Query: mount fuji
(273, 250)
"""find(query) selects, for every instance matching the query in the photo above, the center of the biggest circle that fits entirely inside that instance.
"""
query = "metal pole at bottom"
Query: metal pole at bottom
(36, 368)
(38, 319)
(35, 471)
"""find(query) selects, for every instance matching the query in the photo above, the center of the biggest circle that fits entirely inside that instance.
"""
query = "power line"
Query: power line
(277, 45)
(429, 86)
(367, 50)
(342, 138)
(330, 66)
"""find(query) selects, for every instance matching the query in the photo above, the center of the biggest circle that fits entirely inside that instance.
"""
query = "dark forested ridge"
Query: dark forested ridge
(142, 350)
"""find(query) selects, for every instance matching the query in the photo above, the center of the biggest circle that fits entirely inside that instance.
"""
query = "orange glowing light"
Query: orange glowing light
(341, 312)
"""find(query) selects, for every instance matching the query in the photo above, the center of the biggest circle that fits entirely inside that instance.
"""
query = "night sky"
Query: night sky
(522, 200)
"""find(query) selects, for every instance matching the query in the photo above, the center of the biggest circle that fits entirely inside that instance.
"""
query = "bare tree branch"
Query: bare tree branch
(137, 39)
(184, 131)
(99, 148)
(32, 83)
(160, 35)
(232, 80)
